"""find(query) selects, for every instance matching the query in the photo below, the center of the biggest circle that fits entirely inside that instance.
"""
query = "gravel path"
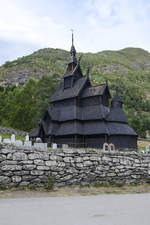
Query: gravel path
(110, 209)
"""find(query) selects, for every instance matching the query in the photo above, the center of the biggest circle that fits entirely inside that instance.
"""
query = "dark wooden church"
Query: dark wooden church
(79, 114)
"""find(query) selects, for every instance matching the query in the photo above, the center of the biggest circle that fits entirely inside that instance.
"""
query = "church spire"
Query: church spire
(73, 50)
(117, 101)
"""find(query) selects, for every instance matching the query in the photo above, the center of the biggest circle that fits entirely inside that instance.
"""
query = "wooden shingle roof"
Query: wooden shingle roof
(96, 112)
(115, 128)
(117, 115)
(95, 91)
(61, 93)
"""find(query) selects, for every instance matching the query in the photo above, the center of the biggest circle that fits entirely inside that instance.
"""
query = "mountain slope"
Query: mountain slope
(128, 69)
(49, 61)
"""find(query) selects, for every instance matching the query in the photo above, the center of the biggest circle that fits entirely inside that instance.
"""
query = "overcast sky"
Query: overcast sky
(28, 25)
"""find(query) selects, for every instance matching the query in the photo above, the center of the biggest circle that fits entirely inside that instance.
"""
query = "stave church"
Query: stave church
(79, 115)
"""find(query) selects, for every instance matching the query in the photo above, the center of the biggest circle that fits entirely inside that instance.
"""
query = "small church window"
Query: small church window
(67, 82)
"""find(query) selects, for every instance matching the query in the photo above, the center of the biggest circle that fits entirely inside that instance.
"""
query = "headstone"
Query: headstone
(147, 149)
(111, 147)
(0, 139)
(65, 146)
(18, 143)
(28, 143)
(54, 146)
(38, 140)
(105, 147)
(40, 146)
(13, 138)
(27, 138)
(7, 141)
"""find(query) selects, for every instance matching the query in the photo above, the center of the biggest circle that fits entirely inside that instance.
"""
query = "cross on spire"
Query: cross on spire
(73, 50)
(72, 30)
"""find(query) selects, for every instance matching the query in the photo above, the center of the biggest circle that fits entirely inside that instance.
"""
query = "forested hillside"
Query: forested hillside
(27, 83)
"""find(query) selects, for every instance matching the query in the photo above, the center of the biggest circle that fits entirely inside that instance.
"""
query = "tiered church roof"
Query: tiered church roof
(80, 109)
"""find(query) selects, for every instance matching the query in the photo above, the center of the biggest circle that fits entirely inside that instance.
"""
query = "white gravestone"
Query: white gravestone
(54, 146)
(147, 149)
(28, 143)
(0, 139)
(27, 138)
(12, 138)
(65, 146)
(111, 147)
(105, 147)
(40, 146)
(18, 143)
(7, 141)
(38, 140)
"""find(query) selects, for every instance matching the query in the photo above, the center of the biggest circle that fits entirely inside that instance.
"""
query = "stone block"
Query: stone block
(86, 158)
(11, 168)
(10, 156)
(53, 157)
(21, 173)
(50, 163)
(37, 172)
(106, 159)
(115, 160)
(68, 151)
(39, 162)
(39, 155)
(125, 161)
(42, 168)
(78, 159)
(68, 177)
(60, 164)
(2, 158)
(111, 174)
(29, 167)
(24, 162)
(4, 180)
(9, 162)
(20, 156)
(94, 158)
(33, 156)
(79, 165)
(68, 159)
(16, 179)
(87, 163)
(28, 178)
(24, 184)
(7, 151)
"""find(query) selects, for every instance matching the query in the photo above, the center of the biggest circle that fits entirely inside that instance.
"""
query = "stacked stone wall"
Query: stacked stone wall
(32, 167)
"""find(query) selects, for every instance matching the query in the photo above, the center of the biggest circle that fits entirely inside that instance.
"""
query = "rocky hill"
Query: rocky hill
(50, 61)
(129, 69)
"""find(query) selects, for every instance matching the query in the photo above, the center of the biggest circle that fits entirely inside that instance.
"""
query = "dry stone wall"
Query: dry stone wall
(27, 166)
